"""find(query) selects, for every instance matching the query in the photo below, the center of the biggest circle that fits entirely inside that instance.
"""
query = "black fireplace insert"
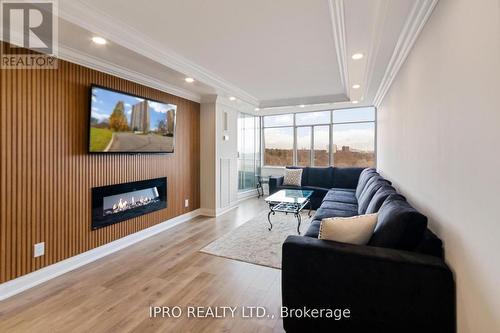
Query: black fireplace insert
(115, 203)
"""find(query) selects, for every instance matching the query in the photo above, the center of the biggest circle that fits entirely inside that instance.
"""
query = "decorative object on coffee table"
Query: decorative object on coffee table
(289, 201)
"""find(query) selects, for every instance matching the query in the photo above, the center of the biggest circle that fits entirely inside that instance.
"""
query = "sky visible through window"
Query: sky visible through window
(359, 135)
(352, 141)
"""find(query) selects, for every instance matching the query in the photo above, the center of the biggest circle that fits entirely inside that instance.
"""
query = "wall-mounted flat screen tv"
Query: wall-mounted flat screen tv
(125, 123)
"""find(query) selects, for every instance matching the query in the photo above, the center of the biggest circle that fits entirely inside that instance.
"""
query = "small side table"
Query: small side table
(261, 180)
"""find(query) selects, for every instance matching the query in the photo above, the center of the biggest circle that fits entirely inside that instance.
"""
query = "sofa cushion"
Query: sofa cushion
(305, 173)
(430, 244)
(318, 192)
(317, 196)
(365, 175)
(399, 226)
(322, 213)
(293, 177)
(346, 177)
(340, 206)
(341, 196)
(379, 197)
(288, 187)
(350, 191)
(371, 188)
(313, 229)
(373, 177)
(320, 177)
(315, 188)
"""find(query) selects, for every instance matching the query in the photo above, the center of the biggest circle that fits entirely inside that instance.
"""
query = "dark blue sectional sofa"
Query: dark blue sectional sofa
(320, 180)
(398, 282)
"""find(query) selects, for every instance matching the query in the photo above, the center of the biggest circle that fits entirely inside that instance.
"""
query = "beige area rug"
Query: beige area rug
(252, 242)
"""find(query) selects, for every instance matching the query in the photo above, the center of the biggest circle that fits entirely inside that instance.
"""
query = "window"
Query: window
(278, 120)
(343, 138)
(304, 140)
(321, 146)
(353, 115)
(248, 150)
(354, 144)
(278, 146)
(313, 118)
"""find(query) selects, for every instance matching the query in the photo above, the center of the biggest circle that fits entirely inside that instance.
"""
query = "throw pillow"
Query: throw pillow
(353, 230)
(293, 177)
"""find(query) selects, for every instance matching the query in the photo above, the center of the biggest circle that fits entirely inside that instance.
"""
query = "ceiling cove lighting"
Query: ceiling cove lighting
(357, 56)
(99, 40)
(232, 98)
(356, 86)
(354, 102)
(189, 80)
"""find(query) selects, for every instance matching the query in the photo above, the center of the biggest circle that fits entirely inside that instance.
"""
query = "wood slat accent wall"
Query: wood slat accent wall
(46, 174)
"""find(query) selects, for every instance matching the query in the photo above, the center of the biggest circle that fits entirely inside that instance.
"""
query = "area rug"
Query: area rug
(252, 242)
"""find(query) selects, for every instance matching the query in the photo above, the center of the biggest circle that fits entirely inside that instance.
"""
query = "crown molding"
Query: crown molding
(97, 21)
(309, 108)
(84, 59)
(87, 60)
(376, 40)
(308, 100)
(337, 18)
(419, 15)
(207, 99)
(224, 102)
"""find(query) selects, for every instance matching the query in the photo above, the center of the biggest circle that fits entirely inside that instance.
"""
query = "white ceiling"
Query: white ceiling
(269, 53)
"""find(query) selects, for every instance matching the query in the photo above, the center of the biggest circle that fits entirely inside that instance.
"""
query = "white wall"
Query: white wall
(438, 141)
(228, 154)
(219, 158)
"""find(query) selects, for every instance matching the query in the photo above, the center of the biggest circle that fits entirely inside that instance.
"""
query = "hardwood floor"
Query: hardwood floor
(114, 293)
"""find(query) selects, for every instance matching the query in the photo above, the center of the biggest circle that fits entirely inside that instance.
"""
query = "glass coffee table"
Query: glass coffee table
(289, 201)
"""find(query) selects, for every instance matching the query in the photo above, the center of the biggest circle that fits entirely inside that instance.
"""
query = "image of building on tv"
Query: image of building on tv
(124, 123)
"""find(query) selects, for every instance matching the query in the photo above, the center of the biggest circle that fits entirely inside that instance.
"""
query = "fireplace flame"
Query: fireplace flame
(122, 204)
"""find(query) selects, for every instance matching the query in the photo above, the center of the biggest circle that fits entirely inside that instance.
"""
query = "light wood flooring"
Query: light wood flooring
(114, 293)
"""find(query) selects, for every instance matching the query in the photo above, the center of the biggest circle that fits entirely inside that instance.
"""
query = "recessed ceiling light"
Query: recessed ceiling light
(357, 56)
(232, 98)
(99, 40)
(189, 80)
(356, 86)
(302, 106)
(354, 102)
(257, 109)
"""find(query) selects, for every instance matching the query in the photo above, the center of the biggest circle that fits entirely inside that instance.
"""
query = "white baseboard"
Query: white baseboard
(224, 210)
(22, 283)
(208, 212)
(247, 194)
(216, 212)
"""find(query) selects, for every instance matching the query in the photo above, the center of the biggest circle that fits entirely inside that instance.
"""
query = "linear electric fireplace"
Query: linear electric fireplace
(115, 203)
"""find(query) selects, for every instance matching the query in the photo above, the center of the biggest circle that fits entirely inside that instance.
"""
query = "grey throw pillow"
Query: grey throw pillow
(293, 177)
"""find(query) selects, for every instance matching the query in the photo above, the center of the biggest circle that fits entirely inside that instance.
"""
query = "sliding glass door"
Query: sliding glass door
(248, 151)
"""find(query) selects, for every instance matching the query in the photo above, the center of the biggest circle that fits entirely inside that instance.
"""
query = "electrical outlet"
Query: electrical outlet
(39, 249)
(186, 203)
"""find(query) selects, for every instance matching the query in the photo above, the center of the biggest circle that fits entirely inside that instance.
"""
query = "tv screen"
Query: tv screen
(124, 123)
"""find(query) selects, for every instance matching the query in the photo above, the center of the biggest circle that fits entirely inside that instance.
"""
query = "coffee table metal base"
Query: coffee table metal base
(292, 208)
